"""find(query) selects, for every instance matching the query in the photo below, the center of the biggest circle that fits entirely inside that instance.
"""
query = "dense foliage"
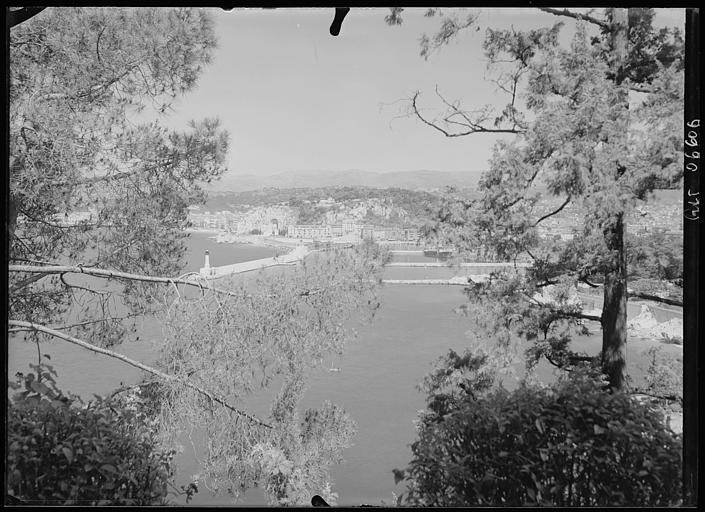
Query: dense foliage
(656, 256)
(570, 444)
(92, 180)
(62, 451)
(664, 377)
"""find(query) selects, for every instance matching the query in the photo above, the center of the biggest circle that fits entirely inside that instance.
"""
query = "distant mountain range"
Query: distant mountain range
(412, 180)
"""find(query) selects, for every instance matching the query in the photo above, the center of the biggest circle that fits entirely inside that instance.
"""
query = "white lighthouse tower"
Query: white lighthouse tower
(207, 270)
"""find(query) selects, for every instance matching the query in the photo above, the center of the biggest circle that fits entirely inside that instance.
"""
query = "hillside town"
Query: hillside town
(352, 219)
(379, 220)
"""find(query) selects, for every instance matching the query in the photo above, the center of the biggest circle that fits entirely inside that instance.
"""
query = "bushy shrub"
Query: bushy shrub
(62, 452)
(664, 377)
(571, 444)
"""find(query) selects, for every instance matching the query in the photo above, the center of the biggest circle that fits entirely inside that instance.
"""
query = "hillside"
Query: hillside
(414, 206)
(411, 180)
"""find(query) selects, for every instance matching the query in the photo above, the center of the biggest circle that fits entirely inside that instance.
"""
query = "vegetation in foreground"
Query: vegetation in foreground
(63, 451)
(570, 444)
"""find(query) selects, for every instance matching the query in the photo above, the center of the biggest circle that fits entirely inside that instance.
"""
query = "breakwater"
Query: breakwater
(291, 258)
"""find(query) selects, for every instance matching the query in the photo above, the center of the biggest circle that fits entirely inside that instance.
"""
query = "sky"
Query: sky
(295, 98)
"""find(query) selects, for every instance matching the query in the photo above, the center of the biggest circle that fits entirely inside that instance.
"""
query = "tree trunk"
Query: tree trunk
(614, 308)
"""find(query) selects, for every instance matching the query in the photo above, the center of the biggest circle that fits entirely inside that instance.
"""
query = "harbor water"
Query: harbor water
(376, 382)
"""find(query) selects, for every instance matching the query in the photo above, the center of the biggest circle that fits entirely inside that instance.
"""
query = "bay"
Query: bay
(376, 382)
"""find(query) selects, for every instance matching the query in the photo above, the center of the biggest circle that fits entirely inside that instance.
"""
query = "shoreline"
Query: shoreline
(203, 231)
(224, 237)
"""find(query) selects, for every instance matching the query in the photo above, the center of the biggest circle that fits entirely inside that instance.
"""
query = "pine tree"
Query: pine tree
(598, 128)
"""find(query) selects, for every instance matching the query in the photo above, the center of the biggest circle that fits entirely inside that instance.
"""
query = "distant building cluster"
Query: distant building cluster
(269, 220)
(354, 230)
(644, 220)
(649, 218)
(379, 220)
(282, 220)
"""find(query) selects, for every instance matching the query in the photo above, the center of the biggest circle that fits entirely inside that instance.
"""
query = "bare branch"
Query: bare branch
(548, 282)
(97, 44)
(109, 274)
(576, 15)
(136, 364)
(641, 295)
(80, 324)
(575, 314)
(474, 127)
(640, 88)
(78, 287)
(590, 284)
(553, 212)
(670, 398)
(655, 298)
(26, 282)
(572, 359)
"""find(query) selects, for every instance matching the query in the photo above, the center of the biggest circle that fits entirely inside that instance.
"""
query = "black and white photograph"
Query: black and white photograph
(387, 257)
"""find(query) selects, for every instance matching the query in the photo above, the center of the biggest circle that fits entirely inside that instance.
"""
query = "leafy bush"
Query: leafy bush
(61, 451)
(664, 376)
(571, 444)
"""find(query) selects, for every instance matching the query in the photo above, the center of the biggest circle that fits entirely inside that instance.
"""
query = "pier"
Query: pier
(453, 281)
(301, 251)
(292, 258)
(441, 264)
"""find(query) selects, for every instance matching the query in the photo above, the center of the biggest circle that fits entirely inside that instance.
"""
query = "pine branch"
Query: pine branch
(110, 274)
(113, 274)
(575, 314)
(136, 364)
(561, 313)
(576, 15)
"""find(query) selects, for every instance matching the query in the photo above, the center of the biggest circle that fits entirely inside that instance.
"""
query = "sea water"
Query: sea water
(376, 383)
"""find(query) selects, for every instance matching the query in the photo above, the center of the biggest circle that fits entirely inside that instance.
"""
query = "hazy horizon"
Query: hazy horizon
(296, 99)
